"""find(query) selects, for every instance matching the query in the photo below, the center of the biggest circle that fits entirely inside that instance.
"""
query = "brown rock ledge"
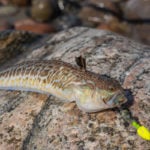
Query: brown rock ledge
(34, 121)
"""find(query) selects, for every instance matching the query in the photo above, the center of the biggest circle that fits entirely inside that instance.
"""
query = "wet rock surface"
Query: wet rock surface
(36, 121)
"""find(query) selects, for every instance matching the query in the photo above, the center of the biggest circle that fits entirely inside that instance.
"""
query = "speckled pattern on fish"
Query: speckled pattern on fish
(91, 91)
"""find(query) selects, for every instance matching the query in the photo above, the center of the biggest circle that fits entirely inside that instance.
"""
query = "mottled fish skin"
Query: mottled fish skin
(91, 92)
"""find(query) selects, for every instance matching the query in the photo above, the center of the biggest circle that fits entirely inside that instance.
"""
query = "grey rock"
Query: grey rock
(36, 121)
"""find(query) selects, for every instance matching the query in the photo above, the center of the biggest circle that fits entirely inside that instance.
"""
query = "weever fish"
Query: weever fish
(90, 91)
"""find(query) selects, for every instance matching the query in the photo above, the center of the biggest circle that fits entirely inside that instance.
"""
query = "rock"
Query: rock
(65, 22)
(21, 2)
(42, 10)
(138, 10)
(116, 26)
(91, 16)
(5, 2)
(13, 43)
(140, 33)
(35, 121)
(29, 25)
(105, 4)
(8, 10)
(134, 9)
(4, 25)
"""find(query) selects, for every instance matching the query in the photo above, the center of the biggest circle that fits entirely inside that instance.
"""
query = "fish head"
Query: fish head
(113, 99)
(96, 99)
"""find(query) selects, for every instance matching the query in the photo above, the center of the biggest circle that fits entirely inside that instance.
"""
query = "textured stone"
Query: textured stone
(34, 121)
(13, 43)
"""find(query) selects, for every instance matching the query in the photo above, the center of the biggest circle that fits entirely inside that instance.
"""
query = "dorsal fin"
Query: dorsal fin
(81, 62)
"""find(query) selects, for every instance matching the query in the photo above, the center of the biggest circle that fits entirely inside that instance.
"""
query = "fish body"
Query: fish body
(90, 91)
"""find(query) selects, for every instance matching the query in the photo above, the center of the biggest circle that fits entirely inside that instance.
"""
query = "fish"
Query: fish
(91, 92)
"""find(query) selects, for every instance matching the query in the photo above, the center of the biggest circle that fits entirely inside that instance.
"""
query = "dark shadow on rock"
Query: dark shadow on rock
(130, 101)
(124, 110)
(130, 98)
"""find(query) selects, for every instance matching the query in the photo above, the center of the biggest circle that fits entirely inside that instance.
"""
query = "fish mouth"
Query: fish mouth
(117, 99)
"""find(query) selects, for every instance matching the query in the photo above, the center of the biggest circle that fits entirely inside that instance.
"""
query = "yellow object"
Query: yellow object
(142, 131)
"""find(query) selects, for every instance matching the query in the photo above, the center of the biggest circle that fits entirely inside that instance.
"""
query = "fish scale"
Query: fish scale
(90, 91)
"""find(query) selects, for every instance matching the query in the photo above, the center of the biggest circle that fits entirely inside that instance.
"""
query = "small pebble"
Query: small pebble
(42, 10)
